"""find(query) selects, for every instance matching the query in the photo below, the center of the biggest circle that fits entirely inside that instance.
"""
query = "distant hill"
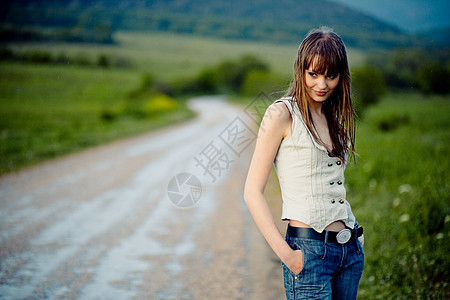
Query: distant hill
(283, 21)
(438, 36)
(412, 16)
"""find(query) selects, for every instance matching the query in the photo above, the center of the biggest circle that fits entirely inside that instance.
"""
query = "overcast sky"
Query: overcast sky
(409, 15)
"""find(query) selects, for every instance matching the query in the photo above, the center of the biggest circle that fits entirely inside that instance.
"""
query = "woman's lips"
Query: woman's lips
(320, 94)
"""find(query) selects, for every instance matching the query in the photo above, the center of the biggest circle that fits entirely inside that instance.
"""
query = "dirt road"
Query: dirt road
(158, 216)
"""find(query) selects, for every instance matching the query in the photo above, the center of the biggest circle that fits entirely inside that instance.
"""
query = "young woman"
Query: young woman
(308, 137)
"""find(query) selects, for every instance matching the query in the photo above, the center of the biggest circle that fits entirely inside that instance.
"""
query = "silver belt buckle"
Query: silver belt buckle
(344, 236)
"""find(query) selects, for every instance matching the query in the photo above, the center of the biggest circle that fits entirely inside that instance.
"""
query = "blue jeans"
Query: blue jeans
(330, 270)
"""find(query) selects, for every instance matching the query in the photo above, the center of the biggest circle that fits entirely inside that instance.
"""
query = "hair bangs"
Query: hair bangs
(324, 58)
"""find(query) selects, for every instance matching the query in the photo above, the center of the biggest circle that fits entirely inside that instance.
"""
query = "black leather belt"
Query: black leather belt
(340, 237)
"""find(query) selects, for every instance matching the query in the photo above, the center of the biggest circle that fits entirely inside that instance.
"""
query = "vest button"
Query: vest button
(331, 182)
(338, 162)
(341, 201)
(330, 164)
(333, 201)
(339, 182)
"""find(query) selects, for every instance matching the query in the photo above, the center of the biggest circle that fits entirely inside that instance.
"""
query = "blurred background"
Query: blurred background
(78, 73)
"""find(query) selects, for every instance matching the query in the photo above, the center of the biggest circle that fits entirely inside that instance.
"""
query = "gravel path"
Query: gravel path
(158, 216)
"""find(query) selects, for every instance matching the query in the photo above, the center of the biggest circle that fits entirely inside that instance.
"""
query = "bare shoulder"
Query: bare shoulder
(279, 111)
(277, 118)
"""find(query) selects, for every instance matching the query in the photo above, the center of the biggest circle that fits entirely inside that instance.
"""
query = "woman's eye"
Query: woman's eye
(312, 74)
(332, 76)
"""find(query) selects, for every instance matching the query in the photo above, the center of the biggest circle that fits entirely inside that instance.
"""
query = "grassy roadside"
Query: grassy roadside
(48, 111)
(399, 191)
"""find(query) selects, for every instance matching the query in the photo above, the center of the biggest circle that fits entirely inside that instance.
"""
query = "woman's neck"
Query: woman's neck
(315, 108)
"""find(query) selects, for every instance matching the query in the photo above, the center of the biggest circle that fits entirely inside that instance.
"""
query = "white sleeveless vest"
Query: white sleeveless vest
(312, 182)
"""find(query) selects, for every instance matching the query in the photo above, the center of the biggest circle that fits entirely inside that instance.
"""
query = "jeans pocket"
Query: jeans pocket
(314, 247)
(295, 244)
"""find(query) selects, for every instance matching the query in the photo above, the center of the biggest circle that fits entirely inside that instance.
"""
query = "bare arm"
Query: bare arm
(274, 127)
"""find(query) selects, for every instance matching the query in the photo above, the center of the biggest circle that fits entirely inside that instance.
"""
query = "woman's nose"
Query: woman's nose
(322, 83)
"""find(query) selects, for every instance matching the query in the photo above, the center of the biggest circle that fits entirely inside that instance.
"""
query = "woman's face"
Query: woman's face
(319, 86)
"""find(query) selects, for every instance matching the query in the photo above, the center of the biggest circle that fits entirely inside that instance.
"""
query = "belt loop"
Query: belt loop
(355, 233)
(325, 244)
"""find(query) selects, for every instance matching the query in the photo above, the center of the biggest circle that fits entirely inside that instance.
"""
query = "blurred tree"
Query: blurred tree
(415, 68)
(433, 78)
(368, 86)
(103, 61)
(207, 81)
(232, 74)
(258, 81)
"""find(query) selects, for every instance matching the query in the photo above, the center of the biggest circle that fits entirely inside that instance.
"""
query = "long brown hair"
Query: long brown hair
(326, 51)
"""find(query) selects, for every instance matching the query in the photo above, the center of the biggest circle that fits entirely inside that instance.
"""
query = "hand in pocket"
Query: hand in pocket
(295, 262)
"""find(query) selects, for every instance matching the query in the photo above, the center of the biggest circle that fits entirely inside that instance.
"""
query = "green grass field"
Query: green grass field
(47, 111)
(399, 192)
